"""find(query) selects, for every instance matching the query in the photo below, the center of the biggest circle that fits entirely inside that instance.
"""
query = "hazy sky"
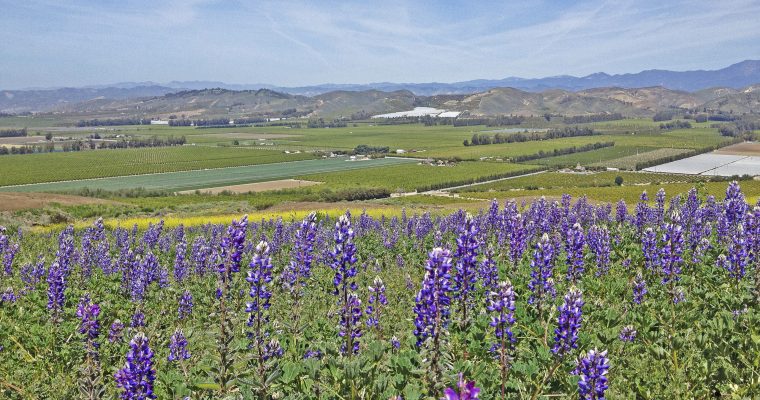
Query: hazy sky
(74, 43)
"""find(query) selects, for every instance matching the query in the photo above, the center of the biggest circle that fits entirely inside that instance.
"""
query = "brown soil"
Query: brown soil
(19, 201)
(257, 187)
(741, 149)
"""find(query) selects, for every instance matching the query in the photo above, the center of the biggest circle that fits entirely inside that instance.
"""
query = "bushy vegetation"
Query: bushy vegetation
(13, 132)
(113, 122)
(585, 119)
(499, 138)
(563, 151)
(676, 125)
(656, 300)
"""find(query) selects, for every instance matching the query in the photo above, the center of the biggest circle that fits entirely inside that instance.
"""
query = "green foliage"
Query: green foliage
(696, 349)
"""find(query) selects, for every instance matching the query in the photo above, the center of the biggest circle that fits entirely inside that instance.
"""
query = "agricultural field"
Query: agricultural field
(209, 178)
(420, 176)
(52, 167)
(550, 180)
(712, 164)
(630, 162)
(612, 194)
(523, 301)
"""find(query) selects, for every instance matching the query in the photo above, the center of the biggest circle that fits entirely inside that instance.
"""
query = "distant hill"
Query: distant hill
(20, 101)
(643, 93)
(735, 76)
(225, 103)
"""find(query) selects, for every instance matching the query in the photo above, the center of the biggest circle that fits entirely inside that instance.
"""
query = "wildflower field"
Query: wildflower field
(567, 299)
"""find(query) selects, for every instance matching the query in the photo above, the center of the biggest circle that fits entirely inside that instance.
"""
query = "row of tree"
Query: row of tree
(199, 122)
(366, 149)
(321, 123)
(13, 132)
(601, 117)
(499, 138)
(562, 151)
(675, 125)
(113, 122)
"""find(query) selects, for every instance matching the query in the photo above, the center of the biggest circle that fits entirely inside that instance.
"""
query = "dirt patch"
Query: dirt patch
(247, 136)
(256, 187)
(11, 201)
(741, 149)
(21, 140)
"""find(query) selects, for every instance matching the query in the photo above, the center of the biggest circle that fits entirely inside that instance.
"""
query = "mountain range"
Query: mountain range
(728, 89)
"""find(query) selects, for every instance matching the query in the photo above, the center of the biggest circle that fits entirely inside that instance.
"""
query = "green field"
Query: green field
(630, 194)
(52, 167)
(410, 177)
(551, 180)
(206, 161)
(199, 179)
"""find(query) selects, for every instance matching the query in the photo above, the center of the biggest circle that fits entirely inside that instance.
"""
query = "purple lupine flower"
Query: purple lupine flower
(433, 300)
(350, 322)
(489, 271)
(312, 354)
(466, 265)
(178, 347)
(89, 326)
(542, 269)
(395, 343)
(658, 215)
(641, 212)
(738, 254)
(232, 248)
(568, 323)
(180, 263)
(735, 205)
(621, 212)
(671, 255)
(259, 277)
(136, 378)
(376, 302)
(502, 305)
(185, 305)
(298, 271)
(518, 237)
(599, 243)
(678, 296)
(200, 255)
(8, 257)
(466, 390)
(56, 289)
(649, 248)
(8, 296)
(627, 334)
(639, 288)
(574, 250)
(115, 331)
(138, 319)
(592, 370)
(272, 349)
(31, 274)
(343, 263)
(88, 313)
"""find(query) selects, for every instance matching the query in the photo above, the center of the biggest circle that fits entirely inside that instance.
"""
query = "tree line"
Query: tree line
(13, 132)
(675, 125)
(499, 138)
(562, 151)
(199, 122)
(601, 117)
(79, 145)
(113, 122)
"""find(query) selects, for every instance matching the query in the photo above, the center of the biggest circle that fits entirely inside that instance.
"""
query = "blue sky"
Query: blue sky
(73, 43)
